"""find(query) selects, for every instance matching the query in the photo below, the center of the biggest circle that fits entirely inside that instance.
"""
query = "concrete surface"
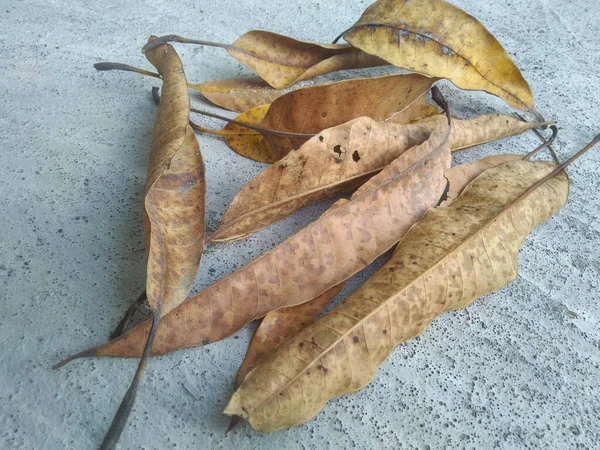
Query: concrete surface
(518, 369)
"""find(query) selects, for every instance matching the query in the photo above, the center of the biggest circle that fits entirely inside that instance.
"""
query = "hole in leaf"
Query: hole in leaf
(337, 149)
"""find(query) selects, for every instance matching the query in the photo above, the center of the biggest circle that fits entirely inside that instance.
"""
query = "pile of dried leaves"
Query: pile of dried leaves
(457, 231)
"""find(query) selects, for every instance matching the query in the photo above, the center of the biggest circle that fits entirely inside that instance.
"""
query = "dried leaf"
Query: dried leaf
(340, 159)
(282, 61)
(417, 111)
(460, 176)
(312, 109)
(317, 258)
(239, 94)
(450, 258)
(244, 141)
(315, 108)
(436, 38)
(279, 325)
(174, 206)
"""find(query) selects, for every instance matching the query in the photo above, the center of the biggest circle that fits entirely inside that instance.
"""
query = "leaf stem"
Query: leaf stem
(541, 136)
(182, 40)
(133, 308)
(546, 144)
(120, 420)
(101, 66)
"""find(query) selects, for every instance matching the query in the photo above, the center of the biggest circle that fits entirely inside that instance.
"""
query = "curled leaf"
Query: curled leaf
(174, 207)
(436, 38)
(339, 159)
(317, 258)
(450, 258)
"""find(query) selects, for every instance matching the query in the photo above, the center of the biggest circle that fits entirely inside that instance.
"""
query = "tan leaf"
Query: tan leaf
(415, 112)
(317, 258)
(239, 94)
(279, 325)
(450, 258)
(340, 159)
(174, 206)
(315, 108)
(312, 109)
(461, 175)
(436, 38)
(282, 61)
(245, 141)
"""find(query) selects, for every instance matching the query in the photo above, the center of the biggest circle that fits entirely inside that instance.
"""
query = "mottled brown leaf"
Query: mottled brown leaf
(339, 159)
(174, 206)
(450, 258)
(317, 258)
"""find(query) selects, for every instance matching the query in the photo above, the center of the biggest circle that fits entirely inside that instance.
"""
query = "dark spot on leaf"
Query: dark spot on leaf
(337, 149)
(321, 138)
(324, 114)
(355, 339)
(355, 156)
(384, 331)
(205, 341)
(301, 344)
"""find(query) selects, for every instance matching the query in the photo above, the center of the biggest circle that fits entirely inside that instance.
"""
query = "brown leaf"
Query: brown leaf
(312, 109)
(460, 176)
(174, 206)
(282, 61)
(317, 258)
(340, 159)
(450, 258)
(436, 38)
(240, 94)
(415, 112)
(315, 108)
(280, 325)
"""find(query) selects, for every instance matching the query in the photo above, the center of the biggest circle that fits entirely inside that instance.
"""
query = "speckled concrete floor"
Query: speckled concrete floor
(518, 369)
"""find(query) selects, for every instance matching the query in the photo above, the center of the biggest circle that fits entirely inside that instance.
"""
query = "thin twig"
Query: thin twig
(120, 420)
(133, 308)
(545, 144)
(541, 136)
(126, 67)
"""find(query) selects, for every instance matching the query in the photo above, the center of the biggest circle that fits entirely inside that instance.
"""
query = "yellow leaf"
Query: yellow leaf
(438, 39)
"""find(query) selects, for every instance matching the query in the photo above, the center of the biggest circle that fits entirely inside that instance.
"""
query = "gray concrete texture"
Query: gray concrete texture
(517, 369)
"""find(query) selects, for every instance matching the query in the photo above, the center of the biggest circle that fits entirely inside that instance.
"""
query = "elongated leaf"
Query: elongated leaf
(174, 207)
(438, 39)
(282, 61)
(417, 111)
(317, 258)
(450, 258)
(279, 325)
(312, 109)
(460, 176)
(340, 159)
(245, 141)
(315, 108)
(240, 94)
